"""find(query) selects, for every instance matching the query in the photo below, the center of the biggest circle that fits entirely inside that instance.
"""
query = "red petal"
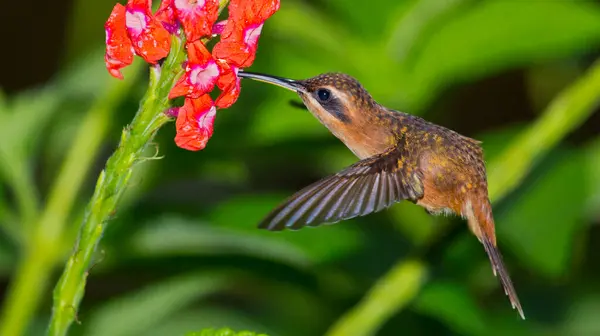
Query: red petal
(251, 35)
(181, 88)
(232, 47)
(233, 30)
(262, 10)
(235, 53)
(140, 5)
(197, 17)
(229, 95)
(150, 39)
(197, 53)
(252, 11)
(119, 51)
(229, 83)
(195, 123)
(201, 73)
(166, 15)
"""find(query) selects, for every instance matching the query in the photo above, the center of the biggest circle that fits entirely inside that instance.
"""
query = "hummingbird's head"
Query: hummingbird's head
(332, 97)
(340, 103)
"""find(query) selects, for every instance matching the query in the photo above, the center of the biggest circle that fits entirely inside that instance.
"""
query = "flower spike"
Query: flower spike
(133, 30)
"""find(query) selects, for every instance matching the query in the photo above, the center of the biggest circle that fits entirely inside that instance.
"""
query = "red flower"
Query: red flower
(239, 40)
(134, 30)
(195, 122)
(197, 17)
(150, 39)
(201, 73)
(119, 51)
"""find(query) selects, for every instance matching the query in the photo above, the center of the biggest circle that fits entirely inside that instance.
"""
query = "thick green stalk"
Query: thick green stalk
(42, 247)
(565, 113)
(111, 185)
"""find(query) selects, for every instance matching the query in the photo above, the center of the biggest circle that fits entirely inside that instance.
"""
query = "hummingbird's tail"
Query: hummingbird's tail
(481, 223)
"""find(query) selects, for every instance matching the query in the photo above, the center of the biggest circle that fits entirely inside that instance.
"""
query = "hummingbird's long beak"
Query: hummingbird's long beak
(279, 81)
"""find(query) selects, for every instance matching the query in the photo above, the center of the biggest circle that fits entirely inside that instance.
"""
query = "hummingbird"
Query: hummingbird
(402, 157)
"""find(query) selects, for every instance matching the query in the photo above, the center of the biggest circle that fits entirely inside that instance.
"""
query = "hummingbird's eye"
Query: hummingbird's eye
(323, 95)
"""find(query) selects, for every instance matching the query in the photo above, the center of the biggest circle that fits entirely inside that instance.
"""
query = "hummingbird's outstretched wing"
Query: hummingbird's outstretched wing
(367, 186)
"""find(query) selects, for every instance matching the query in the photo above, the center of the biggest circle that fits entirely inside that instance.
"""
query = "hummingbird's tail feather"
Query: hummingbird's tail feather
(501, 271)
(481, 223)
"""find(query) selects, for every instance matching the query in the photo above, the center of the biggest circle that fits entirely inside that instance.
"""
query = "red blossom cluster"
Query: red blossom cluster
(133, 30)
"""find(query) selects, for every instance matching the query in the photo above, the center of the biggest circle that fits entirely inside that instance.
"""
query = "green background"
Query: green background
(182, 252)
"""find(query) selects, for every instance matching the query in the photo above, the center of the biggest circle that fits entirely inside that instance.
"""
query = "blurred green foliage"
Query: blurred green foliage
(223, 332)
(183, 253)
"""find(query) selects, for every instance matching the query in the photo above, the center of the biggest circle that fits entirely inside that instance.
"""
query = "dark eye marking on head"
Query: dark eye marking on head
(332, 104)
(323, 95)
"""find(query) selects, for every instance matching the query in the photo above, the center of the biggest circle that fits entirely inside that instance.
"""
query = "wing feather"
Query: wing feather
(367, 186)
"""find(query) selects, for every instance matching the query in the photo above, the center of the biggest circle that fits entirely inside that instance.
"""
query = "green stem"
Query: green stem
(42, 249)
(388, 295)
(111, 185)
(565, 113)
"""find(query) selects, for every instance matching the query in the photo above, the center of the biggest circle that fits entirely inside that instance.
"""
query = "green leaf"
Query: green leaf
(453, 304)
(415, 20)
(313, 31)
(276, 120)
(136, 313)
(331, 46)
(82, 31)
(173, 235)
(540, 223)
(206, 317)
(223, 332)
(320, 244)
(385, 298)
(362, 20)
(21, 123)
(582, 317)
(497, 35)
(87, 77)
(23, 120)
(414, 222)
(495, 142)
